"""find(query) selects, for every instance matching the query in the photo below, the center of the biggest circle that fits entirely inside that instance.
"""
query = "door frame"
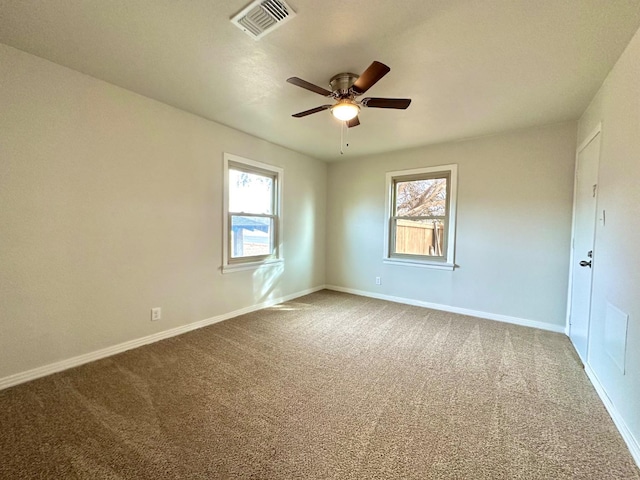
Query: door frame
(588, 139)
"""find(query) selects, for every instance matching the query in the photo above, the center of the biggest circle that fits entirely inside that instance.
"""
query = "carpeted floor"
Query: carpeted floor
(328, 386)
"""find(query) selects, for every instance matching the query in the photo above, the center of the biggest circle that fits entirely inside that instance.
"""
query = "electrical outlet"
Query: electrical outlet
(378, 281)
(156, 314)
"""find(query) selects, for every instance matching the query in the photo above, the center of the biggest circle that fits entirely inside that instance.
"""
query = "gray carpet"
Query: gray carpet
(328, 386)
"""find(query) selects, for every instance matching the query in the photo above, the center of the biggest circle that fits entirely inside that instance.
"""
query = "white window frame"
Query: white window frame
(234, 265)
(447, 261)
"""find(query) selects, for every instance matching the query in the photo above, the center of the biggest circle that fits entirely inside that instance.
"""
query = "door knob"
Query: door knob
(584, 263)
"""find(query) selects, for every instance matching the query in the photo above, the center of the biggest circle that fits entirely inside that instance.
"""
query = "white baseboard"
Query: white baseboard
(447, 308)
(22, 377)
(627, 436)
(45, 370)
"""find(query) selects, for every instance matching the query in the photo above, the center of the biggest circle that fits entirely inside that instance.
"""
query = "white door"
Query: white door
(583, 237)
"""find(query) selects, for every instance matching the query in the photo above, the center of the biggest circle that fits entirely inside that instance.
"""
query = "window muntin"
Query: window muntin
(420, 227)
(252, 220)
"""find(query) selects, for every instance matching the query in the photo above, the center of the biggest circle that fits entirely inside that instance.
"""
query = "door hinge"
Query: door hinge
(595, 187)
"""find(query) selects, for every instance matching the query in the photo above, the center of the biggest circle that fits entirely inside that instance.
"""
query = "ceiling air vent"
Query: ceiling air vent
(262, 17)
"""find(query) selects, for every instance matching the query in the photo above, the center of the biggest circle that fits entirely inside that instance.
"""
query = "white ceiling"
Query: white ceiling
(471, 67)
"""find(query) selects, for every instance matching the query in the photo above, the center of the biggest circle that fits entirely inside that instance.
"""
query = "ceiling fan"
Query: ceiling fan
(345, 88)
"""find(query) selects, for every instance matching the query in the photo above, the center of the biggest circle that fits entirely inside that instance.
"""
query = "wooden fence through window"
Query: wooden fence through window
(419, 238)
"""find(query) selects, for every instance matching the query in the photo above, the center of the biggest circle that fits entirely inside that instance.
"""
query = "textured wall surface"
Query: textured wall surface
(111, 203)
(513, 225)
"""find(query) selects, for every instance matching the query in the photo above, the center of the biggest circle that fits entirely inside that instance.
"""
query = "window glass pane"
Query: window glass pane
(421, 197)
(251, 236)
(419, 237)
(250, 192)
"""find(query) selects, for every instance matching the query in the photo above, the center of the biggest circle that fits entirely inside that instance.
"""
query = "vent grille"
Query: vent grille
(263, 16)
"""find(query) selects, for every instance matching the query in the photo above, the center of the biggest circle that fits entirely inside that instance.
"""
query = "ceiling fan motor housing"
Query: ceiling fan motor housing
(342, 82)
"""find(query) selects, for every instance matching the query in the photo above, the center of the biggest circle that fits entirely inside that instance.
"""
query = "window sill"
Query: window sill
(239, 267)
(420, 264)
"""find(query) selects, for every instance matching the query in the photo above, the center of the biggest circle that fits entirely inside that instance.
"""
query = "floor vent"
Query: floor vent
(263, 16)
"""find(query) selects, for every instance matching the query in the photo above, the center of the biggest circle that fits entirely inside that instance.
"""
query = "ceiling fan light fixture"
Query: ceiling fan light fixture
(345, 110)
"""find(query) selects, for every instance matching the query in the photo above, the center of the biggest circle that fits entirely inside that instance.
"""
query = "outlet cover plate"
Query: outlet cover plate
(156, 314)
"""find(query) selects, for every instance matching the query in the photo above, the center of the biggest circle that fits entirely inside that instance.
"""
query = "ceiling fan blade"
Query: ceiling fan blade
(399, 103)
(309, 112)
(354, 122)
(370, 77)
(298, 82)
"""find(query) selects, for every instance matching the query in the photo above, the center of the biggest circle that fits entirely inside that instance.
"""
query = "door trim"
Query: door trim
(584, 144)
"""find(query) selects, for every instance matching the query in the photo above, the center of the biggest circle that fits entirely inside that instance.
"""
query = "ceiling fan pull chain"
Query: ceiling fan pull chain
(346, 140)
(342, 137)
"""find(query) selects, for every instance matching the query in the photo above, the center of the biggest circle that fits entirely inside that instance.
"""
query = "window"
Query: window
(420, 229)
(252, 213)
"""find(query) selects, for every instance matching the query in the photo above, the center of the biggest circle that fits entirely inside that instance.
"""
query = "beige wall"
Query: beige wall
(616, 272)
(111, 203)
(513, 225)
